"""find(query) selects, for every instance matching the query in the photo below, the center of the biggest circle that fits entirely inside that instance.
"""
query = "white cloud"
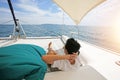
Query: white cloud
(5, 15)
(105, 14)
(3, 1)
(35, 15)
(31, 14)
(31, 9)
(5, 10)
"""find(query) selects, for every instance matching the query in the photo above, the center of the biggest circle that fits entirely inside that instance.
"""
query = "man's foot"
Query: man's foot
(49, 46)
(118, 63)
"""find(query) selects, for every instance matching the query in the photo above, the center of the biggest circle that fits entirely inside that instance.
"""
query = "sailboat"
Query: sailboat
(98, 63)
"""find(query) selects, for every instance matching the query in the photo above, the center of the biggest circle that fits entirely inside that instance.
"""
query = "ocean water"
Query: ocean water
(99, 36)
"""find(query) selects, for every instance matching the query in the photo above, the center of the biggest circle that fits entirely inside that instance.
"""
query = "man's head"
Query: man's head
(72, 46)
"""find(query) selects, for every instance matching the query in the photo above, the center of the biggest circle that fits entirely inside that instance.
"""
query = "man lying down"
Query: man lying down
(66, 62)
(28, 62)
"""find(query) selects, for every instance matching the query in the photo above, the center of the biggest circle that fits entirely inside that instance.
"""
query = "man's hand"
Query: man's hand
(73, 56)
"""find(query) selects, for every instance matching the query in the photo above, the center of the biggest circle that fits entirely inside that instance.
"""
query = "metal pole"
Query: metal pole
(12, 11)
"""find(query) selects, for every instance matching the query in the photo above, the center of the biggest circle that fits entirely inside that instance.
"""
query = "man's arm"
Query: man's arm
(49, 59)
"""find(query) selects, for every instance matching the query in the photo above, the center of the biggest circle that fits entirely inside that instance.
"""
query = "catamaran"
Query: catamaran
(97, 63)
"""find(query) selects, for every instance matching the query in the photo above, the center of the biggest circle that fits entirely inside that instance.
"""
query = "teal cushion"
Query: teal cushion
(22, 61)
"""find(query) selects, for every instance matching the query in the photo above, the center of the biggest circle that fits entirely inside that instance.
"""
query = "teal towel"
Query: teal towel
(22, 61)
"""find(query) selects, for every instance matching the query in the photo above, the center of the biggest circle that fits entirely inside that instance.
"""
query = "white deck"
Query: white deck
(101, 60)
(84, 73)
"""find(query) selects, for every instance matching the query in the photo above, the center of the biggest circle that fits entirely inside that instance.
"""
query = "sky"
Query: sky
(47, 12)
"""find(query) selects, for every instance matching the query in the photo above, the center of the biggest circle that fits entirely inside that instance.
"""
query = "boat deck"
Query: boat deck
(41, 41)
(101, 60)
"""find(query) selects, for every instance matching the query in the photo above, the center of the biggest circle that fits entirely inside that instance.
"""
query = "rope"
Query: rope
(6, 22)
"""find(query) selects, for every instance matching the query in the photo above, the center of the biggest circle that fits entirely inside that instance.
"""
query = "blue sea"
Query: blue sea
(99, 36)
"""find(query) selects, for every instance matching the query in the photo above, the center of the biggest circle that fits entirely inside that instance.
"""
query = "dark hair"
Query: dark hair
(72, 46)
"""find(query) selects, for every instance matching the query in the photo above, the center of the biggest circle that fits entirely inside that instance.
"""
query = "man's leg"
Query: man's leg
(50, 50)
